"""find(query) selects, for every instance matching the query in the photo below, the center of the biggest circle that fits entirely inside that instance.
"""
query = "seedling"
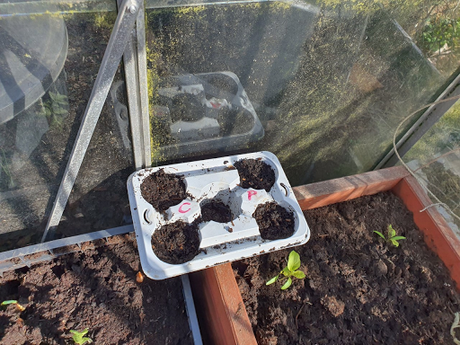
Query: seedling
(13, 301)
(391, 236)
(79, 337)
(289, 271)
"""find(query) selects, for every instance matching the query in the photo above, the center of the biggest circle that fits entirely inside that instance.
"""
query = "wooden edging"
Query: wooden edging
(437, 233)
(220, 307)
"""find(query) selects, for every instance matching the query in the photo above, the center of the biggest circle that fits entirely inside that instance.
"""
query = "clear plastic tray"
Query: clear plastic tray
(220, 242)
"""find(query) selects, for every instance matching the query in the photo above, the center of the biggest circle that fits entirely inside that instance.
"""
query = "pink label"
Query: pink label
(182, 210)
(251, 193)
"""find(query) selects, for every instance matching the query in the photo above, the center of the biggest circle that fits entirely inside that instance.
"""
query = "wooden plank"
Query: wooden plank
(347, 188)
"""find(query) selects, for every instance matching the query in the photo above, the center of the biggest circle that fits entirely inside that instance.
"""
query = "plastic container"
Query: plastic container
(220, 242)
(218, 114)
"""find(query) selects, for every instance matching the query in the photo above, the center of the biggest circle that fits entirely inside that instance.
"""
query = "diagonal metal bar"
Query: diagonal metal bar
(427, 120)
(121, 33)
(135, 62)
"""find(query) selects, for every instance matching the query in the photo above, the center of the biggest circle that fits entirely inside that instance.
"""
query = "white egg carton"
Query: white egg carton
(220, 242)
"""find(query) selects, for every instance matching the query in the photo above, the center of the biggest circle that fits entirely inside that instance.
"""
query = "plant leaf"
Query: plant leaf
(395, 243)
(271, 281)
(298, 274)
(78, 337)
(293, 261)
(397, 238)
(287, 284)
(455, 325)
(11, 301)
(391, 231)
(380, 234)
(286, 272)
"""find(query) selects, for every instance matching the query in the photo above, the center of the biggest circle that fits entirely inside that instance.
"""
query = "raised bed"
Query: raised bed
(221, 308)
(92, 281)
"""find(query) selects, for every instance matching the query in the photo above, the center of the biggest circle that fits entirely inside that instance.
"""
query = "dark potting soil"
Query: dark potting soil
(255, 174)
(274, 221)
(359, 289)
(234, 121)
(222, 86)
(187, 107)
(163, 190)
(96, 289)
(177, 242)
(217, 211)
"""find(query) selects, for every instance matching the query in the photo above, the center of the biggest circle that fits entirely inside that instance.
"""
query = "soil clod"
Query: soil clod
(163, 190)
(176, 243)
(274, 221)
(217, 211)
(255, 174)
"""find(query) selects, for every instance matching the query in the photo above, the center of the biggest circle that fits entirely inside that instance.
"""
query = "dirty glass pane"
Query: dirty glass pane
(49, 57)
(436, 161)
(99, 199)
(321, 84)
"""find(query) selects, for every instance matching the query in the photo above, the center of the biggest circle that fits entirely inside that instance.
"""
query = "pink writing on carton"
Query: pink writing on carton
(183, 208)
(251, 193)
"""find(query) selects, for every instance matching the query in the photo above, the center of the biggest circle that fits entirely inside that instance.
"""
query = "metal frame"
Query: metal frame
(135, 61)
(119, 38)
(190, 308)
(422, 125)
(5, 257)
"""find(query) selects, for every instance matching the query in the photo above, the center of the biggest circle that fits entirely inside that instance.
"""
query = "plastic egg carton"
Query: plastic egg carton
(203, 135)
(220, 242)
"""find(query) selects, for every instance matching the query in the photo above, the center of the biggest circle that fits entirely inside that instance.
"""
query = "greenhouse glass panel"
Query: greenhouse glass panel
(50, 53)
(323, 84)
(435, 159)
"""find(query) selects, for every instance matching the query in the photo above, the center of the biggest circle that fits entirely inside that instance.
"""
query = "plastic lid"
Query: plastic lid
(32, 54)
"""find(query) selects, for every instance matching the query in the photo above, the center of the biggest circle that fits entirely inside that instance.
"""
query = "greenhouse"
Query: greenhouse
(285, 172)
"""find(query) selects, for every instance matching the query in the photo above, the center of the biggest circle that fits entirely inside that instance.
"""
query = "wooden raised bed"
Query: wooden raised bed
(221, 310)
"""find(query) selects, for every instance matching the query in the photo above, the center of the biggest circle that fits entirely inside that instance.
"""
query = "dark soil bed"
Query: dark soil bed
(97, 290)
(274, 221)
(163, 190)
(255, 174)
(177, 242)
(359, 289)
(216, 211)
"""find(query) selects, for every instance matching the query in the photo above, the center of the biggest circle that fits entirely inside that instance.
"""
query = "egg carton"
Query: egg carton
(220, 242)
(206, 134)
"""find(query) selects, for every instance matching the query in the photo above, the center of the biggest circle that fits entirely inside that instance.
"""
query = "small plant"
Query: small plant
(79, 337)
(55, 108)
(391, 236)
(13, 301)
(289, 271)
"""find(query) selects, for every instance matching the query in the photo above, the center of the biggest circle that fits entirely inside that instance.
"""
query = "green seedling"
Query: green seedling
(79, 337)
(289, 271)
(391, 236)
(13, 301)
